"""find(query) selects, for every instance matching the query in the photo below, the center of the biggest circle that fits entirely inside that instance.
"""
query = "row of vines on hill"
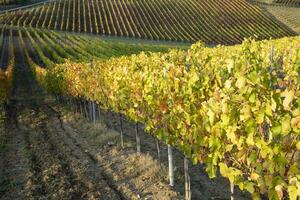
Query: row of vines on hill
(236, 109)
(214, 22)
(289, 15)
(288, 2)
(47, 48)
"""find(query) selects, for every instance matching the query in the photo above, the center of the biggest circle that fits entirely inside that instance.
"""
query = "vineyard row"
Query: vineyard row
(46, 48)
(214, 22)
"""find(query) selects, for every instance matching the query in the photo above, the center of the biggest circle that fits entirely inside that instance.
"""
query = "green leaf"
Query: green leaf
(252, 97)
(288, 98)
(187, 150)
(229, 172)
(249, 186)
(230, 132)
(293, 192)
(227, 84)
(256, 196)
(264, 152)
(298, 145)
(193, 77)
(245, 112)
(211, 116)
(250, 139)
(230, 65)
(252, 158)
(225, 119)
(241, 81)
(276, 129)
(211, 170)
(272, 194)
(273, 104)
(224, 170)
(162, 134)
(260, 117)
(253, 76)
(286, 124)
(250, 126)
(194, 159)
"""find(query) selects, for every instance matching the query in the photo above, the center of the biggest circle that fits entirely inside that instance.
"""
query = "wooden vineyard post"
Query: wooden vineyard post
(231, 191)
(85, 108)
(138, 140)
(171, 168)
(158, 150)
(187, 180)
(121, 130)
(94, 112)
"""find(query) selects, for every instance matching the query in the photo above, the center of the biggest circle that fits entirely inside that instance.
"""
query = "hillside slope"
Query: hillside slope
(288, 2)
(288, 15)
(212, 21)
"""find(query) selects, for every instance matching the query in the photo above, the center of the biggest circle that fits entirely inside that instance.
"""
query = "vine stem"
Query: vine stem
(121, 130)
(138, 140)
(94, 112)
(187, 179)
(232, 191)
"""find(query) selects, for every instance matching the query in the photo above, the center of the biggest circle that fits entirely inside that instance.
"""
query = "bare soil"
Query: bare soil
(201, 185)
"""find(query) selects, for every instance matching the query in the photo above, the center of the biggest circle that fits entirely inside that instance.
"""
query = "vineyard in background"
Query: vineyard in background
(285, 3)
(288, 15)
(214, 22)
(288, 2)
